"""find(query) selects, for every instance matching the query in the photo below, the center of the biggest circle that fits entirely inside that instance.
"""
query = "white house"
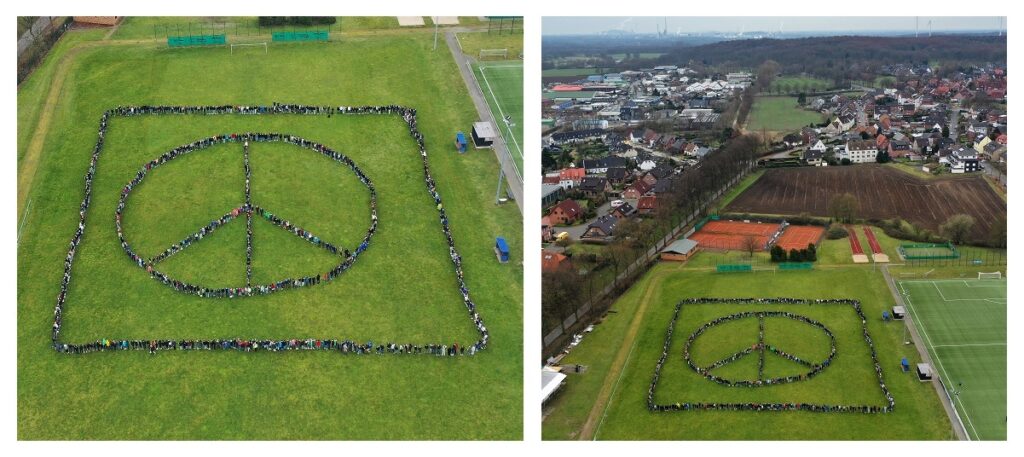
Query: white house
(860, 151)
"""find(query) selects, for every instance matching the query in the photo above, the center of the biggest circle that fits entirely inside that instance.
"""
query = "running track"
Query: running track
(875, 247)
(854, 242)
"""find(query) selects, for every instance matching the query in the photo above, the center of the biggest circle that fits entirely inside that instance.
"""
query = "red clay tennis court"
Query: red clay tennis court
(732, 235)
(799, 236)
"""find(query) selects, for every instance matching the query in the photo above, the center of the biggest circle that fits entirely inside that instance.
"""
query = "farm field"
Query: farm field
(608, 401)
(779, 114)
(299, 394)
(963, 324)
(572, 72)
(883, 193)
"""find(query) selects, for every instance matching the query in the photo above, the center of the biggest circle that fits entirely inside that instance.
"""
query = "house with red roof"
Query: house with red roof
(565, 212)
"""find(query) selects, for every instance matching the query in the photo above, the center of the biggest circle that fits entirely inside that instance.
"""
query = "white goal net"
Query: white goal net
(993, 275)
(246, 45)
(493, 54)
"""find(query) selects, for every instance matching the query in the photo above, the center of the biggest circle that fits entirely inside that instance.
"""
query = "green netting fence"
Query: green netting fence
(788, 266)
(196, 40)
(931, 251)
(733, 268)
(312, 35)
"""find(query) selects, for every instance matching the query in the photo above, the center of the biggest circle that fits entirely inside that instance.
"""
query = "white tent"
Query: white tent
(551, 380)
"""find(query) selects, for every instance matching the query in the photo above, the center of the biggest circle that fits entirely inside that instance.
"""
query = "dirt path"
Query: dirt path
(611, 380)
(30, 162)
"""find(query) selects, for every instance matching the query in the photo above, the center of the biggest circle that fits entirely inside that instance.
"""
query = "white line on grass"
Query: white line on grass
(502, 114)
(611, 396)
(968, 345)
(993, 300)
(24, 217)
(935, 354)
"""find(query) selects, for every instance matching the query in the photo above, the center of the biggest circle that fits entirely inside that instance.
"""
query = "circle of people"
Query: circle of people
(755, 406)
(250, 345)
(760, 346)
(247, 209)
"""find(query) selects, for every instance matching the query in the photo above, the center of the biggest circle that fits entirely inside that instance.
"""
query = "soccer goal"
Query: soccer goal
(501, 54)
(241, 45)
(993, 275)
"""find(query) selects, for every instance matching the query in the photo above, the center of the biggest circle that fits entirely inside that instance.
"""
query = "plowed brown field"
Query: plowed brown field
(884, 193)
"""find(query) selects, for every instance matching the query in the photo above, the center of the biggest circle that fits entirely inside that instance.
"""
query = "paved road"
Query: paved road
(576, 231)
(961, 434)
(512, 177)
(37, 29)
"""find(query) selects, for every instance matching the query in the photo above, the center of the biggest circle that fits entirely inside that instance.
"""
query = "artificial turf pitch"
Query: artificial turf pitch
(401, 289)
(963, 325)
(502, 85)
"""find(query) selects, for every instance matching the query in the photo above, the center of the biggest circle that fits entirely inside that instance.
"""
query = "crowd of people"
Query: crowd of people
(247, 210)
(752, 406)
(760, 347)
(248, 345)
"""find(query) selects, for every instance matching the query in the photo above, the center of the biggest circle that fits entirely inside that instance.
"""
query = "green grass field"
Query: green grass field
(472, 42)
(799, 84)
(963, 324)
(502, 84)
(402, 287)
(777, 114)
(573, 71)
(635, 331)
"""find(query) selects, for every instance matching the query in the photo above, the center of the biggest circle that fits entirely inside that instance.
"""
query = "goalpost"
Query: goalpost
(264, 44)
(493, 54)
(993, 275)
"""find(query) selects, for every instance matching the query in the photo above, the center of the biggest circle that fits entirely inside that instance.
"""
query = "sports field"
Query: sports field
(502, 84)
(779, 114)
(263, 395)
(963, 324)
(608, 401)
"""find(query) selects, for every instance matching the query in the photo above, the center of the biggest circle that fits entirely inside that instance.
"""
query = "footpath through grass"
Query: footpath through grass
(402, 288)
(963, 324)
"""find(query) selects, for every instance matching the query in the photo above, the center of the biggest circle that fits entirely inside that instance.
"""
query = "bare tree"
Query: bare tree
(843, 207)
(749, 244)
(957, 227)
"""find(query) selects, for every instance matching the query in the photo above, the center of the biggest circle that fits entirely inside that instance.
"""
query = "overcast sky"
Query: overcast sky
(642, 24)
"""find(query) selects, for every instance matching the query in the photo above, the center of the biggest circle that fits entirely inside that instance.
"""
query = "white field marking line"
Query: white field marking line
(502, 114)
(968, 345)
(993, 300)
(615, 388)
(24, 217)
(935, 355)
(507, 65)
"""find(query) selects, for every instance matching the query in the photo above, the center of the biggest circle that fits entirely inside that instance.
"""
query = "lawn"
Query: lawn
(799, 84)
(779, 114)
(963, 324)
(473, 42)
(637, 327)
(301, 395)
(502, 85)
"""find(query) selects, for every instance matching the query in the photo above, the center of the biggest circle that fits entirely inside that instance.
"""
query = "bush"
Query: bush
(778, 254)
(836, 232)
(270, 21)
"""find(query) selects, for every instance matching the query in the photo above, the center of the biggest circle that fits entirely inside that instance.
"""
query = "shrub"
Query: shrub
(836, 232)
